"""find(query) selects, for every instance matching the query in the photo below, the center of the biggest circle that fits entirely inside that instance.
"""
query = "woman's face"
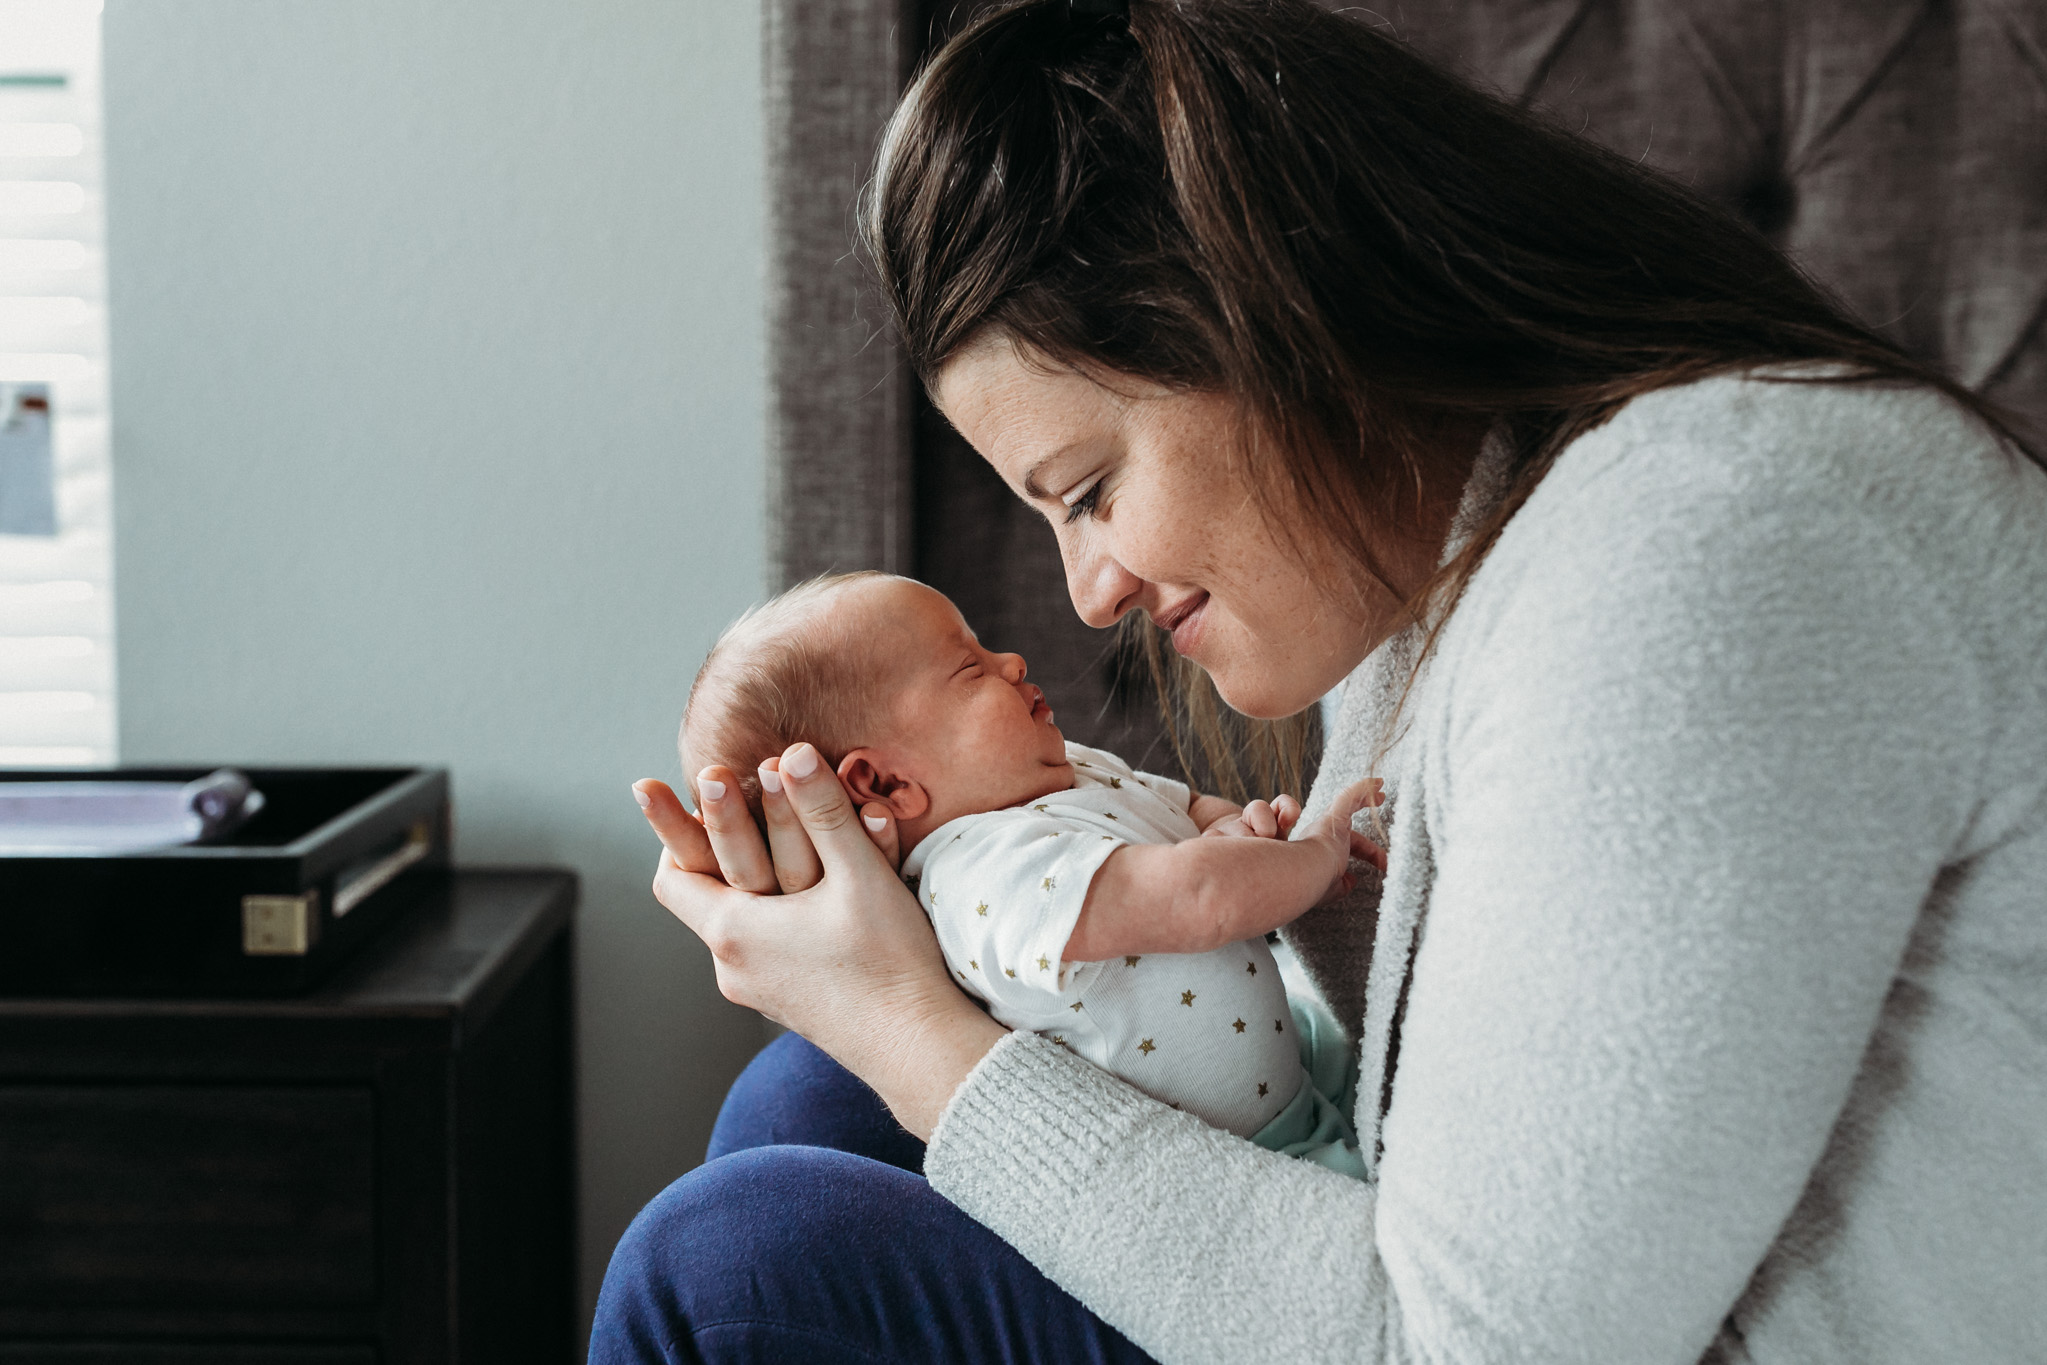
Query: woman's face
(1144, 487)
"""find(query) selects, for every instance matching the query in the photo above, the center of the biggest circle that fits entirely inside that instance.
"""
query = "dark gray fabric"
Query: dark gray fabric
(1896, 148)
(838, 410)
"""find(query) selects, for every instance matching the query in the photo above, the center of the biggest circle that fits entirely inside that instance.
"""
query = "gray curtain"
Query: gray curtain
(1896, 148)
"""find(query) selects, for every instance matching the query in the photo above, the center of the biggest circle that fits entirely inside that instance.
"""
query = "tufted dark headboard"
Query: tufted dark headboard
(1897, 149)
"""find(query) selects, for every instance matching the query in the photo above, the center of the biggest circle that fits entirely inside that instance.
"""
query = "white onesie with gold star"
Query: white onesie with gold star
(1209, 1033)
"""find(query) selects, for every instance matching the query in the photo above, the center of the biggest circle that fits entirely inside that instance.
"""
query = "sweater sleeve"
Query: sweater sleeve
(1632, 1026)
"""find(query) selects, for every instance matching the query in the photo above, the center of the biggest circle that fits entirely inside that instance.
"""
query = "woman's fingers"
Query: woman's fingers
(710, 909)
(742, 856)
(881, 828)
(796, 864)
(821, 803)
(675, 827)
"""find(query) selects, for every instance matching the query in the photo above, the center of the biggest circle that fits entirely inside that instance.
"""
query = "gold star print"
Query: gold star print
(1111, 814)
(1146, 1047)
(1262, 1087)
(1251, 967)
(1051, 882)
(1238, 1026)
(1278, 1027)
(1187, 997)
(1116, 782)
(981, 909)
(934, 900)
(1039, 806)
(975, 965)
(1130, 962)
(1044, 964)
(1009, 971)
(1075, 1007)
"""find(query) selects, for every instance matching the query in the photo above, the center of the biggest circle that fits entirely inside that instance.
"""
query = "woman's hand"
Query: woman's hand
(844, 955)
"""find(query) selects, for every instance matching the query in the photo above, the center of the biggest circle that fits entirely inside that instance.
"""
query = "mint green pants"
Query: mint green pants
(1316, 1125)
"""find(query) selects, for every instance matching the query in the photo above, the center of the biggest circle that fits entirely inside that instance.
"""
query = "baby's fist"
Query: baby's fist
(1272, 819)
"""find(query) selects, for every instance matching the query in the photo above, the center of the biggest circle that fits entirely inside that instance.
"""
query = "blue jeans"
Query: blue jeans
(809, 1235)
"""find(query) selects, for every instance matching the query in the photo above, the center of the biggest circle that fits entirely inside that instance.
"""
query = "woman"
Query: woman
(1697, 632)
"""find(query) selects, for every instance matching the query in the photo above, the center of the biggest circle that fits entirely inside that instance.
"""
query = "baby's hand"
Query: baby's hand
(1272, 819)
(1334, 835)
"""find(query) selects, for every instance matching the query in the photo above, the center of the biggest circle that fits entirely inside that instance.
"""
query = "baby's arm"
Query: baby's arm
(1197, 895)
(1207, 812)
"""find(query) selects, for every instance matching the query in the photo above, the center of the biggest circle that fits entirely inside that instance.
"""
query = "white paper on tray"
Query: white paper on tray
(103, 816)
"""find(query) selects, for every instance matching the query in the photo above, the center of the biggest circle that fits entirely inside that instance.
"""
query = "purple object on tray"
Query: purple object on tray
(122, 817)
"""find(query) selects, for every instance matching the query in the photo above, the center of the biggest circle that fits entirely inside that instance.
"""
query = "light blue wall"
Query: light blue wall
(437, 392)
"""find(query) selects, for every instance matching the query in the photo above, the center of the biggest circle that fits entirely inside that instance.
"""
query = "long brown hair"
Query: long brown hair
(1264, 199)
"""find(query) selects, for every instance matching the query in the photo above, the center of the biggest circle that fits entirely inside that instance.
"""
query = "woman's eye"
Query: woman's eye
(1085, 504)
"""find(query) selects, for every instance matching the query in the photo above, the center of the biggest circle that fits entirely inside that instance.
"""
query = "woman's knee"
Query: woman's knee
(779, 1252)
(792, 1093)
(734, 1241)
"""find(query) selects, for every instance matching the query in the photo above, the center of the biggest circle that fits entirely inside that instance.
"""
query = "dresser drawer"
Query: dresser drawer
(186, 1196)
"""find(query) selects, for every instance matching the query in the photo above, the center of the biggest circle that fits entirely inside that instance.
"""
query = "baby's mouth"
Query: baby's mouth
(1040, 708)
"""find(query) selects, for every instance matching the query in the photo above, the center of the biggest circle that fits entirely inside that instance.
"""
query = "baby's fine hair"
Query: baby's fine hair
(784, 671)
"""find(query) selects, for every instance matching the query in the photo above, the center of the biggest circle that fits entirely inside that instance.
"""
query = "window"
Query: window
(56, 523)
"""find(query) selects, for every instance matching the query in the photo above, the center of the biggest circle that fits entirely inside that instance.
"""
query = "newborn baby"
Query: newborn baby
(1070, 894)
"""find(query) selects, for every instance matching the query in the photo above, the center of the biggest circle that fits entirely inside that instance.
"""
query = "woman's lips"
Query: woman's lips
(1184, 621)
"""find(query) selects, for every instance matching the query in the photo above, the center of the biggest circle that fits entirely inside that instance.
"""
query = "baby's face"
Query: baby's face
(964, 723)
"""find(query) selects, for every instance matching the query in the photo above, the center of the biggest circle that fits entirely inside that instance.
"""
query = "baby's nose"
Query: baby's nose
(1014, 668)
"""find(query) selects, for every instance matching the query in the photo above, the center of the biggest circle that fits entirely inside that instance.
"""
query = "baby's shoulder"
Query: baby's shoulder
(1008, 834)
(1098, 768)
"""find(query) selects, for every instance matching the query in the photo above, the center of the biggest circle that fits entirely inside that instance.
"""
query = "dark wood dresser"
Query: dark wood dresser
(378, 1173)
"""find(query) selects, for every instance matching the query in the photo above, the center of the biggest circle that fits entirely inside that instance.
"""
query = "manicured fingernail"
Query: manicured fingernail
(771, 781)
(710, 790)
(802, 763)
(877, 823)
(646, 801)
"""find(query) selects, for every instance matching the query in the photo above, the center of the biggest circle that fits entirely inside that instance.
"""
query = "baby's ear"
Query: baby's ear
(869, 776)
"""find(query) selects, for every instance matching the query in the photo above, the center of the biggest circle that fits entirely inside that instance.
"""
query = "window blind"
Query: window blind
(56, 525)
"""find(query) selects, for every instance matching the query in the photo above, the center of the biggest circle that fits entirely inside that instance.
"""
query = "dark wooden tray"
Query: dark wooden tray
(334, 854)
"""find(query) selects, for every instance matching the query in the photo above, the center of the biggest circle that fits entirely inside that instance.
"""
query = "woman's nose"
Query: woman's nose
(1101, 589)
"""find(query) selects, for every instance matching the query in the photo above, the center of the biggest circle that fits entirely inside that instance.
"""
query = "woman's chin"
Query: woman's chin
(1260, 698)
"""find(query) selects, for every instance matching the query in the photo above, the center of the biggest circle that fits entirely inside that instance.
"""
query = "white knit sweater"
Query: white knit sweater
(1712, 957)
